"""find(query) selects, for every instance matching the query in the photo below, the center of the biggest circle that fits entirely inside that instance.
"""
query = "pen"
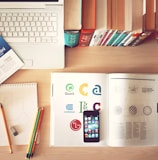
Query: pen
(6, 128)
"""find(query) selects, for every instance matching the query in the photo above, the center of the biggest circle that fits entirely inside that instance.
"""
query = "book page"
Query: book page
(133, 105)
(72, 93)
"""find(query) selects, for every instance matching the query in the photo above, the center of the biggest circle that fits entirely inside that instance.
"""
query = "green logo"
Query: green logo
(69, 87)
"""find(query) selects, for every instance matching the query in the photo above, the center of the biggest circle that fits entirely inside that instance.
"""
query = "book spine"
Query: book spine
(120, 38)
(71, 38)
(117, 34)
(117, 16)
(131, 39)
(125, 39)
(97, 36)
(150, 15)
(112, 38)
(85, 37)
(141, 38)
(101, 40)
(106, 37)
(88, 22)
(72, 14)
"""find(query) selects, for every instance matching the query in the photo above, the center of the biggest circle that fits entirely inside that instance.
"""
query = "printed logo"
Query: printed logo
(133, 89)
(69, 108)
(69, 87)
(147, 110)
(97, 90)
(75, 125)
(84, 89)
(133, 110)
(83, 106)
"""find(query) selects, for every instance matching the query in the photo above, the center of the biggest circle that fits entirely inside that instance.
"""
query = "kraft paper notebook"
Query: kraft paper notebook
(128, 108)
(20, 103)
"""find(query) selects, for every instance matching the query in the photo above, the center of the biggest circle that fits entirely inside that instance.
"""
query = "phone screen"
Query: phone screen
(91, 126)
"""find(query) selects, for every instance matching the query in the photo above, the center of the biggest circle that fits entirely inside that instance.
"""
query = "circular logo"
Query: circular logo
(75, 125)
(133, 110)
(69, 87)
(147, 110)
(118, 110)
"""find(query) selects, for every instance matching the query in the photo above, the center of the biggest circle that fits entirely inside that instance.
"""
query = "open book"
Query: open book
(128, 106)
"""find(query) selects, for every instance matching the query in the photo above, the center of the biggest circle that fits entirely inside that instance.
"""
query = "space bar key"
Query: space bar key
(16, 39)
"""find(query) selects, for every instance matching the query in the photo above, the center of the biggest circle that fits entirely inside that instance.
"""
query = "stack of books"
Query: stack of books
(110, 22)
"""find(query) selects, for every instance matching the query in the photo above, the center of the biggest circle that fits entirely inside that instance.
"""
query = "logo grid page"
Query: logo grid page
(75, 93)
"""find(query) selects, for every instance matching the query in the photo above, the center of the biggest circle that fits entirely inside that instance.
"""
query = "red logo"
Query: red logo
(75, 125)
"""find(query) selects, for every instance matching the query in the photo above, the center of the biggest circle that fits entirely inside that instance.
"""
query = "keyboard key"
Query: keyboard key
(14, 39)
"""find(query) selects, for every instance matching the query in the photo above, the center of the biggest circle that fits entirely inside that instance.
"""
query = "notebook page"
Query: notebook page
(20, 106)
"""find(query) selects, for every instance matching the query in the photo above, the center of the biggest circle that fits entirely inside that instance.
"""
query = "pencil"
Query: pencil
(31, 136)
(34, 133)
(37, 131)
(28, 155)
(6, 128)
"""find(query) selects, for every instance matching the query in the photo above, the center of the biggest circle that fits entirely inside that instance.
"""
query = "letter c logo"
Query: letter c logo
(83, 89)
(96, 106)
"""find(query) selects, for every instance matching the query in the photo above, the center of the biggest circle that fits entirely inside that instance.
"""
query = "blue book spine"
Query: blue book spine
(119, 38)
(113, 38)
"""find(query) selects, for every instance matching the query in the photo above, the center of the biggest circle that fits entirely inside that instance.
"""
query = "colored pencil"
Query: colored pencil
(33, 139)
(6, 128)
(37, 131)
(33, 134)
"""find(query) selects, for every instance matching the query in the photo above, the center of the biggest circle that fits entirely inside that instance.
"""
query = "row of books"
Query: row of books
(118, 38)
(108, 22)
(111, 38)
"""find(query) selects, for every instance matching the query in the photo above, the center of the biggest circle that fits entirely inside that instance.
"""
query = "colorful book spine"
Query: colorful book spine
(85, 37)
(141, 38)
(106, 37)
(131, 39)
(88, 22)
(120, 38)
(97, 36)
(71, 38)
(112, 38)
(125, 39)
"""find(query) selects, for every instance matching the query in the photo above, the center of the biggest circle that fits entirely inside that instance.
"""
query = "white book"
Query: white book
(127, 104)
(97, 36)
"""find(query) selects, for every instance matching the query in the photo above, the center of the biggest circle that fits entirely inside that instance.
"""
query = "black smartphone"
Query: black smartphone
(91, 126)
